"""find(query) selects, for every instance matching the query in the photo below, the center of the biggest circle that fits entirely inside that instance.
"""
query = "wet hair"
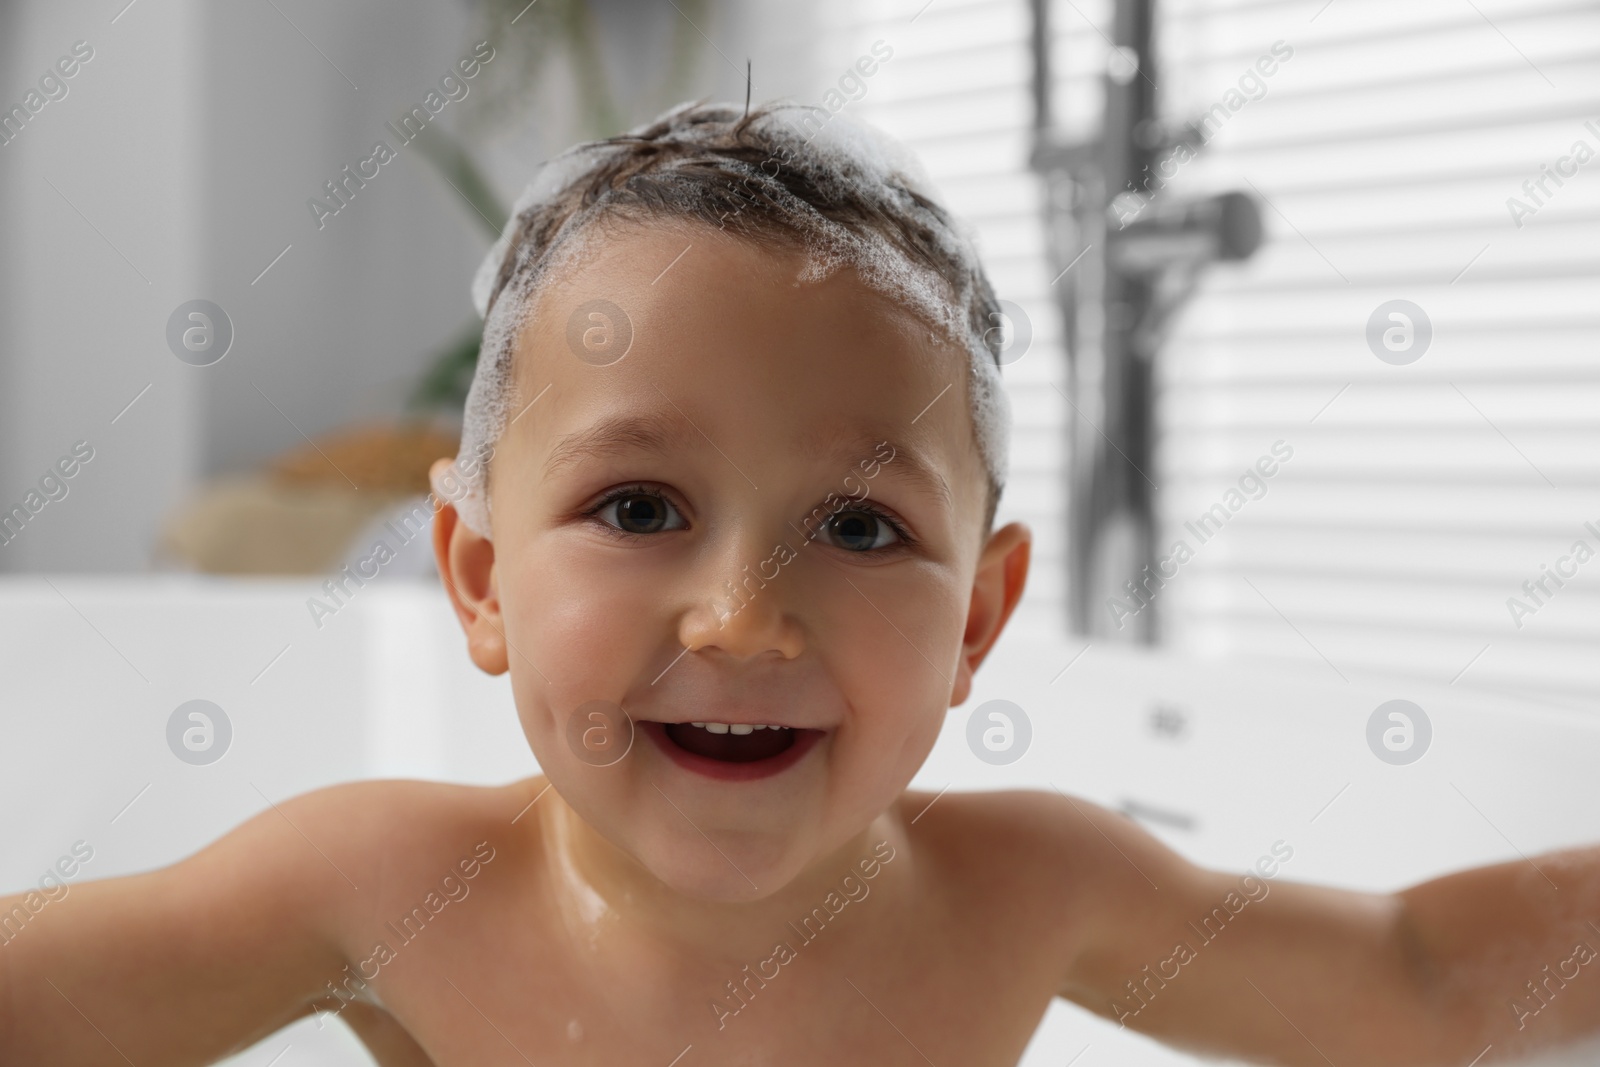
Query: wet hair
(782, 175)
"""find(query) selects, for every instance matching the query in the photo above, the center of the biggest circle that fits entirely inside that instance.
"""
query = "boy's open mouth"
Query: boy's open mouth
(731, 743)
(732, 752)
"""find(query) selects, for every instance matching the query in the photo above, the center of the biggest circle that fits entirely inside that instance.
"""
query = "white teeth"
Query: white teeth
(716, 727)
(760, 726)
(699, 724)
(740, 728)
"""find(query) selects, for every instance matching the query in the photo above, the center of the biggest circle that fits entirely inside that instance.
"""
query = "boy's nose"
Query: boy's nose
(744, 612)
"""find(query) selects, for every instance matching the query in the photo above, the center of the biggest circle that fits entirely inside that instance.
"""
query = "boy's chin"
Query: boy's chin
(661, 841)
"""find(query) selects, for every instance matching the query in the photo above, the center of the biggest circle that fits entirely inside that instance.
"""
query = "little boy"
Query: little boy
(733, 545)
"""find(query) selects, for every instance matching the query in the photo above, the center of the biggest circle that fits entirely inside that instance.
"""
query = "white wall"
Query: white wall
(338, 330)
(190, 143)
(100, 240)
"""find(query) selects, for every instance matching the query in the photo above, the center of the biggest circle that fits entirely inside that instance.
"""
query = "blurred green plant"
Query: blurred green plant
(541, 29)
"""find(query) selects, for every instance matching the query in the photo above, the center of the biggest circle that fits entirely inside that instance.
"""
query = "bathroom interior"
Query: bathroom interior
(1307, 287)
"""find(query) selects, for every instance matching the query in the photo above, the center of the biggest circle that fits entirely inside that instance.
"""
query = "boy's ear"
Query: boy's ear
(466, 566)
(996, 588)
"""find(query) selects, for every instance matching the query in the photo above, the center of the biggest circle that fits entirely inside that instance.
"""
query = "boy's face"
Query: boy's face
(768, 511)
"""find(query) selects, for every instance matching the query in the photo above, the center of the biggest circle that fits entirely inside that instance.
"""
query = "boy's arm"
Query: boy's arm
(1301, 974)
(184, 964)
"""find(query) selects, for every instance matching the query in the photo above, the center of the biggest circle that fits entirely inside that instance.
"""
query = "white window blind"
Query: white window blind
(1420, 497)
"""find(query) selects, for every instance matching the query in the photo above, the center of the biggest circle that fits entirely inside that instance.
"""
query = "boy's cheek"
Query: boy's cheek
(906, 654)
(878, 669)
(589, 626)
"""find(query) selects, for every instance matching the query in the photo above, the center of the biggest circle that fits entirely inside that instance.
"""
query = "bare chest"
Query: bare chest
(939, 984)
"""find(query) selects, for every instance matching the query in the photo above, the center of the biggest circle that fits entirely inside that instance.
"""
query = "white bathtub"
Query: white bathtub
(1220, 759)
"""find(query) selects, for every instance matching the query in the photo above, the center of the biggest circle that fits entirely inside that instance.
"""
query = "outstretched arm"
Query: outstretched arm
(184, 964)
(1506, 956)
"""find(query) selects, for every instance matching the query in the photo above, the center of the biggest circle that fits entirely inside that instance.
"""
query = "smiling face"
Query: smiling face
(768, 512)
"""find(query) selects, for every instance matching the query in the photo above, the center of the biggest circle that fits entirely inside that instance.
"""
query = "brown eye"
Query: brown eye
(859, 531)
(640, 513)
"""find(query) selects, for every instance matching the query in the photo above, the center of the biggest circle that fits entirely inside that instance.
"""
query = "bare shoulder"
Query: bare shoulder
(395, 830)
(1073, 860)
(375, 804)
(386, 813)
(1043, 829)
(325, 856)
(981, 844)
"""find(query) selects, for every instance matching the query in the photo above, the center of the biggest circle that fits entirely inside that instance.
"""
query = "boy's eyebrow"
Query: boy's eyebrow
(618, 435)
(906, 462)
